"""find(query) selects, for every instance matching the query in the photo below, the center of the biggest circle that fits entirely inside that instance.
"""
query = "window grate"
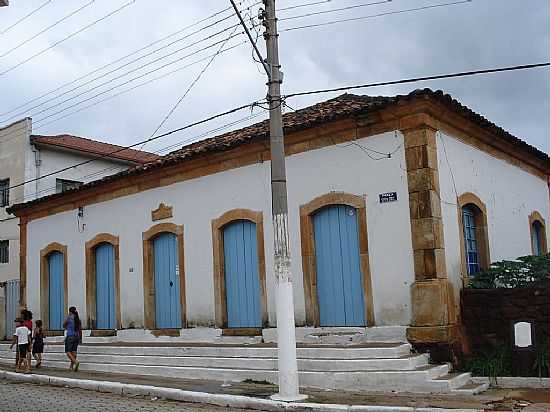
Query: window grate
(4, 251)
(4, 192)
(470, 241)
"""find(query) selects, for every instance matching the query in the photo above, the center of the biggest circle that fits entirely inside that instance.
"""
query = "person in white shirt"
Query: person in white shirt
(21, 337)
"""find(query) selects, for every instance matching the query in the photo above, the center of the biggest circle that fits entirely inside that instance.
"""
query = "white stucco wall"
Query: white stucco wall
(196, 202)
(510, 194)
(13, 140)
(53, 160)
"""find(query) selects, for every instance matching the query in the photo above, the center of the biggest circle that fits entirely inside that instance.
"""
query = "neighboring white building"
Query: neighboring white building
(25, 157)
(376, 239)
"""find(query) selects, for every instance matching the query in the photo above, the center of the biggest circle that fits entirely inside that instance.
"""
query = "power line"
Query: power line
(135, 87)
(125, 82)
(160, 151)
(355, 6)
(51, 26)
(68, 37)
(10, 131)
(124, 74)
(313, 3)
(150, 139)
(131, 62)
(423, 79)
(193, 83)
(433, 6)
(115, 61)
(26, 16)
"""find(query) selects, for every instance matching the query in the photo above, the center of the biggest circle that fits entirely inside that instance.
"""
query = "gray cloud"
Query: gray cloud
(483, 33)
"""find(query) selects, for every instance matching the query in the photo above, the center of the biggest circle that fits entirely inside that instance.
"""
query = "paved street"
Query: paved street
(29, 397)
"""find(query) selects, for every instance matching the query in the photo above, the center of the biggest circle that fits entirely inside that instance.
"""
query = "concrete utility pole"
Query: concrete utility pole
(286, 334)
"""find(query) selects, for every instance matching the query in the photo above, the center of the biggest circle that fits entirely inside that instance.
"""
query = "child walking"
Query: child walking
(38, 343)
(21, 337)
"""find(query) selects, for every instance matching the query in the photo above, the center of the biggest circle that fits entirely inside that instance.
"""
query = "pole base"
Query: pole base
(285, 398)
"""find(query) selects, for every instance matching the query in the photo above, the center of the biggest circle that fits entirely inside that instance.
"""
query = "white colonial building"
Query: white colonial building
(27, 163)
(393, 203)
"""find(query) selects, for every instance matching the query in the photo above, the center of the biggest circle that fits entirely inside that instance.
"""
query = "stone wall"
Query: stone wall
(487, 314)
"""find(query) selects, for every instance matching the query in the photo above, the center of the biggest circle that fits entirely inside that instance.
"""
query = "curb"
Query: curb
(229, 401)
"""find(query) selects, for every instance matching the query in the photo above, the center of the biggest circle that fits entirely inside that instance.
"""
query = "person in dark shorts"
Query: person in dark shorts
(22, 338)
(38, 343)
(26, 315)
(73, 326)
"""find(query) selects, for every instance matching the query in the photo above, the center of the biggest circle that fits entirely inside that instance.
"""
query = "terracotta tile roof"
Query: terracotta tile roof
(344, 106)
(95, 147)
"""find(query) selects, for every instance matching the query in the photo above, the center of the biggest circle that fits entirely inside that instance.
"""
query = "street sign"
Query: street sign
(388, 197)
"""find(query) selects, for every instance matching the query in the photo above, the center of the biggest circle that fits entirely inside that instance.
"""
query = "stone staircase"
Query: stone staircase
(365, 367)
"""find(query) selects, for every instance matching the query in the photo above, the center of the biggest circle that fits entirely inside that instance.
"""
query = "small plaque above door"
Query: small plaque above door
(162, 212)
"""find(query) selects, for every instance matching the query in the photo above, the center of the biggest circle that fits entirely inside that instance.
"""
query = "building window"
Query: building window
(62, 185)
(4, 192)
(4, 251)
(538, 234)
(470, 240)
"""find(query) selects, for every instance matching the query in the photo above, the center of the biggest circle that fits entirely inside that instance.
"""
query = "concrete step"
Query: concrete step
(413, 381)
(383, 351)
(384, 367)
(404, 363)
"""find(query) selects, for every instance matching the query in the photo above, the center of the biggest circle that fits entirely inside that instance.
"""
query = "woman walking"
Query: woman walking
(38, 343)
(73, 326)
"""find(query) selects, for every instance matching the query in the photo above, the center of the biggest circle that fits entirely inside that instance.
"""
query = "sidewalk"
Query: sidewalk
(255, 395)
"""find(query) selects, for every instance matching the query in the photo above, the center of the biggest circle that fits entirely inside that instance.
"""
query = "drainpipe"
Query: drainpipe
(37, 163)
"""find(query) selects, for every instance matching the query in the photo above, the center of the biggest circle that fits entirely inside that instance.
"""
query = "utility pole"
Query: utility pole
(286, 334)
(289, 389)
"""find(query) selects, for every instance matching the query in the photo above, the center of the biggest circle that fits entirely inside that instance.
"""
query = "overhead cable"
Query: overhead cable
(25, 17)
(193, 83)
(51, 26)
(355, 6)
(115, 61)
(28, 59)
(150, 139)
(123, 83)
(423, 79)
(149, 81)
(372, 16)
(124, 74)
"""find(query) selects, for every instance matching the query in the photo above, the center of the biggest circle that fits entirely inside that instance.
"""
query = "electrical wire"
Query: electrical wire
(161, 151)
(51, 26)
(126, 73)
(134, 87)
(25, 17)
(150, 139)
(28, 59)
(126, 82)
(313, 3)
(423, 79)
(372, 16)
(193, 83)
(355, 6)
(115, 61)
(132, 62)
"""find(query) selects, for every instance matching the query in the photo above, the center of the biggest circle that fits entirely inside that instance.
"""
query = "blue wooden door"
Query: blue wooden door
(167, 283)
(56, 285)
(339, 277)
(242, 276)
(105, 286)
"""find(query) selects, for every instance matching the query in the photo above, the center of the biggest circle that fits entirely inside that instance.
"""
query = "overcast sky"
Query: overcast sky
(475, 35)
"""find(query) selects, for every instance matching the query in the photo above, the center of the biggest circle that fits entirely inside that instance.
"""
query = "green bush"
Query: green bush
(491, 363)
(518, 273)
